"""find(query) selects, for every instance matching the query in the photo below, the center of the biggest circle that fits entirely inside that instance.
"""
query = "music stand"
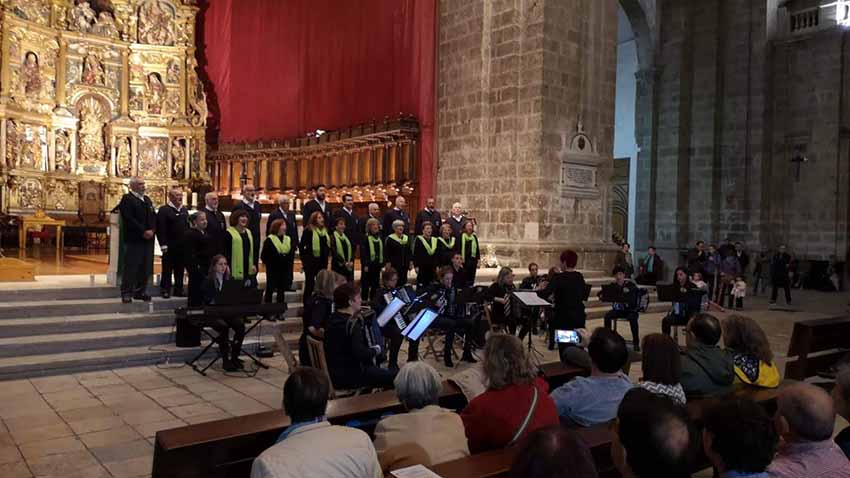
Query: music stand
(612, 293)
(420, 324)
(533, 301)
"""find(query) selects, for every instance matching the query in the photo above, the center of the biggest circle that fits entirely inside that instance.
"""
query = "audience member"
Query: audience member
(739, 291)
(739, 438)
(239, 248)
(706, 368)
(624, 260)
(625, 310)
(697, 257)
(470, 251)
(311, 447)
(397, 214)
(354, 347)
(553, 452)
(438, 431)
(805, 419)
(371, 259)
(397, 251)
(576, 354)
(841, 397)
(429, 215)
(317, 204)
(138, 220)
(314, 250)
(729, 271)
(447, 245)
(283, 212)
(342, 250)
(661, 365)
(751, 353)
(588, 401)
(652, 268)
(172, 225)
(425, 255)
(727, 249)
(652, 437)
(317, 309)
(456, 219)
(568, 290)
(516, 401)
(780, 275)
(761, 273)
(250, 205)
(742, 256)
(682, 311)
(277, 255)
(199, 252)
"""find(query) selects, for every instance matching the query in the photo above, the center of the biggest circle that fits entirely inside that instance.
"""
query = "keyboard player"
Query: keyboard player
(219, 274)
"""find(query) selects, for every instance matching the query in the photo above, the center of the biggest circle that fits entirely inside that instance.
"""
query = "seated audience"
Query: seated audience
(662, 367)
(354, 347)
(576, 354)
(751, 353)
(588, 401)
(652, 437)
(805, 419)
(739, 438)
(516, 401)
(706, 368)
(624, 260)
(625, 310)
(553, 452)
(438, 431)
(345, 452)
(841, 397)
(317, 310)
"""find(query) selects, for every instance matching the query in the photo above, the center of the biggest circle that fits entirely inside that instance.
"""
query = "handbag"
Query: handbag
(524, 425)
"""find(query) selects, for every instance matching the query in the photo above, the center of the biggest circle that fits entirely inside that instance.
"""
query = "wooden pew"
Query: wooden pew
(828, 338)
(497, 463)
(227, 448)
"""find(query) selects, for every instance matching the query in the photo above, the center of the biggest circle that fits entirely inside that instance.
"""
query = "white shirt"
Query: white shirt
(173, 206)
(138, 195)
(250, 204)
(457, 218)
(321, 204)
(347, 210)
(210, 210)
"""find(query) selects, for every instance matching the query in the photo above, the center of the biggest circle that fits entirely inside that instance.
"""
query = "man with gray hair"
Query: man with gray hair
(216, 222)
(805, 418)
(457, 219)
(138, 222)
(439, 432)
(172, 224)
(396, 214)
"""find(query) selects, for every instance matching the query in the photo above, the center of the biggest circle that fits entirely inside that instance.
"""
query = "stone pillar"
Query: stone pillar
(525, 124)
(646, 136)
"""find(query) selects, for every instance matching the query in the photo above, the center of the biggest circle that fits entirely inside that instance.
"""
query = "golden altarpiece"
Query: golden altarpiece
(92, 94)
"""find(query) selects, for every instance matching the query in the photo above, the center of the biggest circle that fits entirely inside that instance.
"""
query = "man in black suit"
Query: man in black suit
(457, 219)
(283, 212)
(429, 214)
(742, 256)
(255, 214)
(172, 224)
(396, 214)
(317, 204)
(216, 223)
(138, 220)
(374, 213)
(352, 221)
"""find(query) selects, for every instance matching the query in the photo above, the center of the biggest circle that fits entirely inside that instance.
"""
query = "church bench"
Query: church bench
(497, 463)
(816, 345)
(226, 448)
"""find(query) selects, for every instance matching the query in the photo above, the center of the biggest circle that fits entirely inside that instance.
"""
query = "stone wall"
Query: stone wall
(515, 80)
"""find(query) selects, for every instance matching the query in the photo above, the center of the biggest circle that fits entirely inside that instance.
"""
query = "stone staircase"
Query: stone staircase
(50, 331)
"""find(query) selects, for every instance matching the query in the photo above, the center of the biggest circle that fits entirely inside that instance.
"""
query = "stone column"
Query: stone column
(646, 134)
(61, 74)
(525, 124)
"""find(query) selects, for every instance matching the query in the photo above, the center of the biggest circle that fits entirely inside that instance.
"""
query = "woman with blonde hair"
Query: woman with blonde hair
(751, 353)
(316, 311)
(516, 402)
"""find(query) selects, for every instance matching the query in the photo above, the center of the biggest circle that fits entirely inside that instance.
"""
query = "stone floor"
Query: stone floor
(102, 424)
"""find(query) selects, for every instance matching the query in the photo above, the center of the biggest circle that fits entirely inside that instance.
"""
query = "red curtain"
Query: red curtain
(279, 69)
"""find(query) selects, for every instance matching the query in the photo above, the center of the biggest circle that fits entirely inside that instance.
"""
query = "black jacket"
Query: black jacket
(312, 206)
(137, 217)
(397, 255)
(568, 289)
(457, 226)
(171, 227)
(274, 261)
(291, 224)
(445, 252)
(347, 350)
(433, 217)
(365, 258)
(216, 228)
(255, 214)
(353, 225)
(305, 248)
(199, 250)
(395, 215)
(421, 258)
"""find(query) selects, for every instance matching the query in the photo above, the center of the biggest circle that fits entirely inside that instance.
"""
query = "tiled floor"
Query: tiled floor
(102, 424)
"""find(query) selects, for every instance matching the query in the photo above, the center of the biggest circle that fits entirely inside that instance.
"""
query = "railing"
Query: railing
(804, 20)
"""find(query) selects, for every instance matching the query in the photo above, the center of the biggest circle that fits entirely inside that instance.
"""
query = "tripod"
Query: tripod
(535, 355)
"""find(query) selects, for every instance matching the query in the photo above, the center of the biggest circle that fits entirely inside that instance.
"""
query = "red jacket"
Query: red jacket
(492, 418)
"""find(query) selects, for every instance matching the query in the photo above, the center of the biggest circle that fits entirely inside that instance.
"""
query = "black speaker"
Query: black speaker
(188, 334)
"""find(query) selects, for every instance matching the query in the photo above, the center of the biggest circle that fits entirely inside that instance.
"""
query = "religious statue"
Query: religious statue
(155, 93)
(92, 70)
(62, 153)
(196, 97)
(31, 153)
(178, 160)
(91, 131)
(82, 17)
(156, 26)
(31, 74)
(123, 159)
(31, 10)
(173, 73)
(12, 144)
(29, 194)
(136, 99)
(106, 26)
(153, 157)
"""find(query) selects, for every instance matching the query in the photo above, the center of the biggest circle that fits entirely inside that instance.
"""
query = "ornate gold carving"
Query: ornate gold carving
(29, 193)
(172, 75)
(62, 151)
(156, 23)
(32, 147)
(106, 26)
(37, 11)
(92, 70)
(61, 195)
(196, 97)
(82, 17)
(154, 94)
(178, 159)
(92, 152)
(31, 74)
(123, 157)
(153, 157)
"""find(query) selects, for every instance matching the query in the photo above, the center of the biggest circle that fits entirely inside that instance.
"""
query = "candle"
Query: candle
(194, 199)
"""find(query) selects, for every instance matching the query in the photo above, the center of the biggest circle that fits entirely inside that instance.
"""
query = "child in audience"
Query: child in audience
(739, 291)
(701, 285)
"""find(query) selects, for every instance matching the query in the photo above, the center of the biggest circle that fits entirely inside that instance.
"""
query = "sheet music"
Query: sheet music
(531, 299)
(415, 471)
